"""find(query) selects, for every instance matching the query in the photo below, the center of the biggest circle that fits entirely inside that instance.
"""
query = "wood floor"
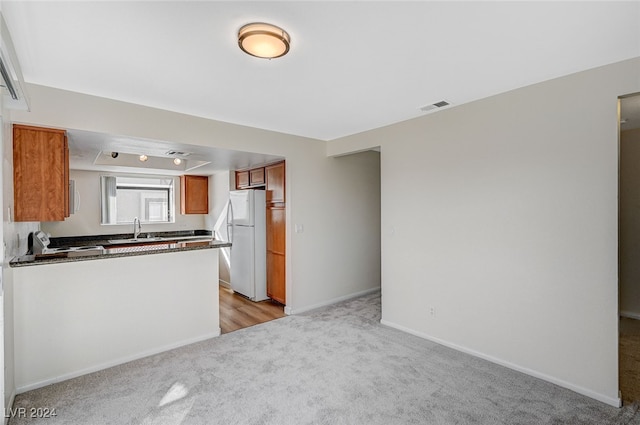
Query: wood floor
(237, 312)
(629, 360)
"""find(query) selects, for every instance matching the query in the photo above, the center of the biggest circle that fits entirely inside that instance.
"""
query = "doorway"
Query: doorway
(629, 248)
(236, 311)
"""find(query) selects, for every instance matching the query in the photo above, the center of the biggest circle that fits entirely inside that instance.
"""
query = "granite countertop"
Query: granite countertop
(113, 250)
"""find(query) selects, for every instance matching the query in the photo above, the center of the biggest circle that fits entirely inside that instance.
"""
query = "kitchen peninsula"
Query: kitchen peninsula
(76, 313)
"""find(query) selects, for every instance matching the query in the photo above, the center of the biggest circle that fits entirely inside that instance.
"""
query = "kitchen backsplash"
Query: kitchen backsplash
(15, 238)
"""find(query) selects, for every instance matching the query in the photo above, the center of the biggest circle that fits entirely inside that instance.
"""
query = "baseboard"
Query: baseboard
(224, 283)
(289, 310)
(630, 315)
(6, 408)
(615, 402)
(115, 362)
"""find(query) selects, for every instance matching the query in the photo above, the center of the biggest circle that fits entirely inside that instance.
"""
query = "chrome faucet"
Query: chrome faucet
(137, 227)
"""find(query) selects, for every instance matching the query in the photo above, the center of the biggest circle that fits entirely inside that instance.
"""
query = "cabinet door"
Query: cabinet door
(242, 179)
(194, 196)
(276, 254)
(256, 177)
(41, 174)
(275, 182)
(67, 195)
(276, 277)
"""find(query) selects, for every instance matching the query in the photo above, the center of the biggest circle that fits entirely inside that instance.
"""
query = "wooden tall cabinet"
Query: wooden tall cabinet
(276, 232)
(276, 263)
(40, 174)
(271, 178)
(275, 183)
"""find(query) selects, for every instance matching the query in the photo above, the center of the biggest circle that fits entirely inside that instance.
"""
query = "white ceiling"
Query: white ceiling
(353, 66)
(92, 151)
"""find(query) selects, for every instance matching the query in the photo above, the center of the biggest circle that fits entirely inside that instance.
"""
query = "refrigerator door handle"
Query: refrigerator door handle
(229, 216)
(230, 222)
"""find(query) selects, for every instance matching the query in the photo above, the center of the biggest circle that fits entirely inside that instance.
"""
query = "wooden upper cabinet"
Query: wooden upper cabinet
(250, 178)
(67, 191)
(40, 174)
(275, 182)
(256, 177)
(242, 179)
(194, 194)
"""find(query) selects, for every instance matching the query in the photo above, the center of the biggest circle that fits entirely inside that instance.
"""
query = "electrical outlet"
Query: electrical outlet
(432, 311)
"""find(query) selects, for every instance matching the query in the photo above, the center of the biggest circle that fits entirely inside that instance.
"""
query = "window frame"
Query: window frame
(169, 189)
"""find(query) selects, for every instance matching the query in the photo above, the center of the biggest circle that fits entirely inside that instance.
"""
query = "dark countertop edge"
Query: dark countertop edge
(104, 239)
(29, 260)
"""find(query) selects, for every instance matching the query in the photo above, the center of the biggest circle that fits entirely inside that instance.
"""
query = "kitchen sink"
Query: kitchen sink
(134, 240)
(184, 238)
(160, 239)
(63, 249)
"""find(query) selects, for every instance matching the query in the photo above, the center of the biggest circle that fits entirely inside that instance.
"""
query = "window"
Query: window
(151, 199)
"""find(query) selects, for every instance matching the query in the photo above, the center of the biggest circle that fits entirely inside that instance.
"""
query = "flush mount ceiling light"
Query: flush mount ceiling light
(263, 40)
(143, 158)
(177, 161)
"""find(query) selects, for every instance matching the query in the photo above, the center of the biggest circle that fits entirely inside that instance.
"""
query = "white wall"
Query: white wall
(316, 270)
(351, 205)
(630, 223)
(14, 233)
(78, 317)
(219, 185)
(86, 221)
(6, 396)
(14, 237)
(501, 216)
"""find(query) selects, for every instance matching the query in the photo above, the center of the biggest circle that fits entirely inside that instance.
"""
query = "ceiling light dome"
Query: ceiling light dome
(263, 40)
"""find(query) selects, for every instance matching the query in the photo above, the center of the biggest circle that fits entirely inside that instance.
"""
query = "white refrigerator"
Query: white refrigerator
(246, 230)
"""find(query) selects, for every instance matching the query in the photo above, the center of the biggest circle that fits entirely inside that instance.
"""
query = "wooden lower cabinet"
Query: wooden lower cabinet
(276, 253)
(276, 277)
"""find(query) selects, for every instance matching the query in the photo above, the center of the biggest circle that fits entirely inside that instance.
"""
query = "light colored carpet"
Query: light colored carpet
(337, 365)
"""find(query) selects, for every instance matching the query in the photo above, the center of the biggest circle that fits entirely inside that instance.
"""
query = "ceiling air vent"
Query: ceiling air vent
(178, 153)
(436, 105)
